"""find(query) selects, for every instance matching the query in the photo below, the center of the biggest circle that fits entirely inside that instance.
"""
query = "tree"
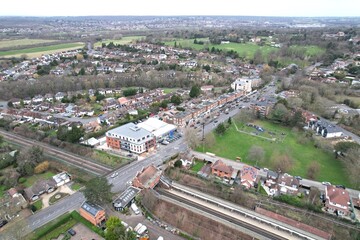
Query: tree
(129, 92)
(41, 167)
(176, 99)
(256, 154)
(98, 191)
(116, 231)
(245, 116)
(280, 113)
(313, 170)
(195, 91)
(191, 138)
(220, 129)
(163, 104)
(297, 119)
(73, 135)
(178, 163)
(82, 71)
(209, 140)
(283, 163)
(229, 121)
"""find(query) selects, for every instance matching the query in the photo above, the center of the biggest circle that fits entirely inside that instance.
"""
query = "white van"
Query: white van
(135, 209)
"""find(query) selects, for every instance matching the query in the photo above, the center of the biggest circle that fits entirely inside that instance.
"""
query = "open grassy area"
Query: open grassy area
(22, 42)
(234, 144)
(309, 50)
(108, 159)
(244, 49)
(197, 166)
(38, 51)
(43, 176)
(341, 98)
(76, 186)
(169, 90)
(122, 41)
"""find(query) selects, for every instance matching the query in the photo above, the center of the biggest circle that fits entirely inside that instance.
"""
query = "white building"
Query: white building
(157, 127)
(242, 84)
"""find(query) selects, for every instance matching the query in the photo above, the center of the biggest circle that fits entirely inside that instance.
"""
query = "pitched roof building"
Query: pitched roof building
(93, 213)
(248, 176)
(220, 169)
(337, 200)
(148, 177)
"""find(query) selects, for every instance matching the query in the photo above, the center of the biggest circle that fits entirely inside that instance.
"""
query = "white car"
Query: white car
(115, 174)
(326, 183)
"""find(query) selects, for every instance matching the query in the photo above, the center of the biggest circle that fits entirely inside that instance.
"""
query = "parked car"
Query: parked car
(3, 222)
(298, 177)
(340, 186)
(72, 232)
(326, 183)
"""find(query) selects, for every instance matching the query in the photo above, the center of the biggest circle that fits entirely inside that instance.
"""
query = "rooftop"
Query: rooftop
(125, 197)
(91, 208)
(130, 130)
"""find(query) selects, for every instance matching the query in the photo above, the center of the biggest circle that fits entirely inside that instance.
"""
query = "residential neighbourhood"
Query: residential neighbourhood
(180, 127)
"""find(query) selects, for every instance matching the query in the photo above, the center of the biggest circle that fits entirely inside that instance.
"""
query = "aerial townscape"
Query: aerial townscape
(187, 125)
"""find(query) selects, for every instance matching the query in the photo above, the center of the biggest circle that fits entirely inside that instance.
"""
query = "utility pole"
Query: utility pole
(203, 125)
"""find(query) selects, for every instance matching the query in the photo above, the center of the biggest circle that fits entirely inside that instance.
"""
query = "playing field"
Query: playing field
(124, 40)
(235, 144)
(38, 51)
(22, 42)
(243, 49)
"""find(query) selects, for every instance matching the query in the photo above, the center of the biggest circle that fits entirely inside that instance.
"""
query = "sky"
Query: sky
(296, 8)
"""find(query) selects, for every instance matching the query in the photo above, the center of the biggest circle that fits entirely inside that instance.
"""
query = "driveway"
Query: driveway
(83, 233)
(63, 189)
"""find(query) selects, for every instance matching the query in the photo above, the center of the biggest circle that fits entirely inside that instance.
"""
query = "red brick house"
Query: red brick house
(337, 201)
(148, 177)
(93, 213)
(222, 170)
(248, 176)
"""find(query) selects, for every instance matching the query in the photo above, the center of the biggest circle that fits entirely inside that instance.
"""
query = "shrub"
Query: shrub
(41, 167)
(22, 180)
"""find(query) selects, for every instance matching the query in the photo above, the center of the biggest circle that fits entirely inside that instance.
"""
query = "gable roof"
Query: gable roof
(148, 176)
(249, 173)
(337, 195)
(220, 166)
(91, 208)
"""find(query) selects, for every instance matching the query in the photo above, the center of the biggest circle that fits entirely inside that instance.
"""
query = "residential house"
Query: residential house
(207, 88)
(61, 178)
(220, 169)
(325, 128)
(271, 182)
(248, 176)
(242, 84)
(37, 99)
(337, 201)
(59, 96)
(181, 119)
(288, 184)
(49, 97)
(40, 187)
(147, 178)
(93, 213)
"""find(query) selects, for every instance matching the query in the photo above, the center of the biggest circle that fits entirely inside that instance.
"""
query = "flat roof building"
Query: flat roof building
(125, 198)
(157, 127)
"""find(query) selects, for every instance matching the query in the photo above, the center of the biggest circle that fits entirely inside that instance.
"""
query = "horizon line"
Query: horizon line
(179, 15)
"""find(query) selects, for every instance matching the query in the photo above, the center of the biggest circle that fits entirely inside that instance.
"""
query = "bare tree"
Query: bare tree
(283, 163)
(256, 154)
(244, 116)
(313, 170)
(209, 140)
(191, 138)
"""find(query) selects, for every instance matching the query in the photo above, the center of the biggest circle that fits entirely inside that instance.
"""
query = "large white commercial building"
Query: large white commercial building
(157, 127)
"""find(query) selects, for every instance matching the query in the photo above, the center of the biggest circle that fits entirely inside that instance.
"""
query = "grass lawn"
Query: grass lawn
(57, 197)
(22, 42)
(310, 50)
(197, 166)
(2, 190)
(38, 204)
(108, 159)
(122, 41)
(31, 180)
(244, 49)
(54, 228)
(234, 144)
(38, 51)
(76, 186)
(169, 90)
(341, 98)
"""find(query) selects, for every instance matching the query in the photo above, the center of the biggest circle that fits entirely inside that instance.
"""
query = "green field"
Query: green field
(169, 90)
(234, 144)
(309, 50)
(38, 51)
(122, 41)
(22, 42)
(243, 49)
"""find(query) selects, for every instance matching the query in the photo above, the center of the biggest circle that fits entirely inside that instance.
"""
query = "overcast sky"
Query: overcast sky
(180, 7)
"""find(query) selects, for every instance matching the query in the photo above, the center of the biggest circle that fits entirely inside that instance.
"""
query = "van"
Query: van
(160, 238)
(135, 209)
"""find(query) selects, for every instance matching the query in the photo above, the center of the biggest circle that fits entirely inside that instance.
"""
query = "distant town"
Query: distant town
(179, 128)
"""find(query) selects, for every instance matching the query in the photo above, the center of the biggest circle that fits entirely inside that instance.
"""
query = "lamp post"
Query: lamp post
(203, 125)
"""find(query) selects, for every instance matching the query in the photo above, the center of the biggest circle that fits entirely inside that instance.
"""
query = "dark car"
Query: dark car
(298, 177)
(72, 232)
(3, 222)
(340, 186)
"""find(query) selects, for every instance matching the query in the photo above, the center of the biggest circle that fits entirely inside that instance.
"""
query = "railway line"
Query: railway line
(255, 229)
(70, 158)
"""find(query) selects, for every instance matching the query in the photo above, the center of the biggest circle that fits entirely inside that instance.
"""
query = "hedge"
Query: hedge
(49, 227)
(88, 224)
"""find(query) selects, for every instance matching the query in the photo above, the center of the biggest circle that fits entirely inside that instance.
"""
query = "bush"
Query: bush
(22, 180)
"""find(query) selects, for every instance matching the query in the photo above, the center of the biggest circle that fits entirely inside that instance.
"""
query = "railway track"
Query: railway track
(70, 158)
(255, 229)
